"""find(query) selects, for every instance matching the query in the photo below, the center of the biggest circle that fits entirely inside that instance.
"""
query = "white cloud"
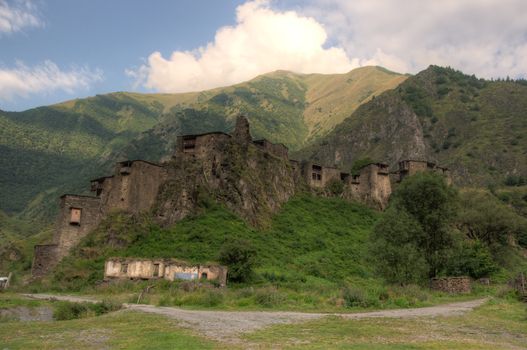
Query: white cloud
(47, 77)
(262, 40)
(18, 15)
(485, 37)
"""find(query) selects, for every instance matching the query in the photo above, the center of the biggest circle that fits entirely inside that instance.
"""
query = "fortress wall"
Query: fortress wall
(372, 186)
(133, 188)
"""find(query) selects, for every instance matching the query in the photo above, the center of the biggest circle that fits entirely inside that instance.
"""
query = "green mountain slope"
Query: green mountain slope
(475, 127)
(57, 146)
(47, 151)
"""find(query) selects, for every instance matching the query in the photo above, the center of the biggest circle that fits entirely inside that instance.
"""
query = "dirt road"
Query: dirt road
(229, 325)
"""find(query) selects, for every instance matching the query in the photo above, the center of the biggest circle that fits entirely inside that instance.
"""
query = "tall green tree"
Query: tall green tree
(415, 231)
(485, 218)
(396, 256)
(433, 204)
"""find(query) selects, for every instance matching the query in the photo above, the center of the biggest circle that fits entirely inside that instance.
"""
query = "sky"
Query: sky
(56, 50)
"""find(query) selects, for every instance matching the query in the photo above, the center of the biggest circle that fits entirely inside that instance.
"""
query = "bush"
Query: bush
(353, 297)
(335, 187)
(240, 257)
(512, 180)
(393, 250)
(65, 310)
(269, 297)
(212, 297)
(472, 258)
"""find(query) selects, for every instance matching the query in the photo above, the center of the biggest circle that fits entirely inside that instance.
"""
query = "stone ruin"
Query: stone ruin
(453, 285)
(251, 177)
(132, 188)
(168, 269)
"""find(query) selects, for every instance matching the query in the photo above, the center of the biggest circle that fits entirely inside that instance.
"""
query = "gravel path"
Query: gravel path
(229, 325)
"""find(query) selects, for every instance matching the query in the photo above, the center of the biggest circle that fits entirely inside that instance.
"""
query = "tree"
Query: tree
(393, 248)
(433, 204)
(240, 257)
(414, 238)
(471, 258)
(483, 217)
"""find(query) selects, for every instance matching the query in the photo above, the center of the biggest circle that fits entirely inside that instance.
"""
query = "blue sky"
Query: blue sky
(55, 50)
(110, 36)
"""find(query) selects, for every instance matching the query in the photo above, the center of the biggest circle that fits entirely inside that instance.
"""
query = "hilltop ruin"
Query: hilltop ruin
(253, 178)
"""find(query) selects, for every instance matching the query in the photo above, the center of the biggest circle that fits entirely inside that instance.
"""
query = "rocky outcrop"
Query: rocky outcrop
(249, 181)
(385, 129)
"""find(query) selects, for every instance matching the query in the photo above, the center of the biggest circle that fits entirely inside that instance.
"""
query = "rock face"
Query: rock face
(386, 128)
(249, 180)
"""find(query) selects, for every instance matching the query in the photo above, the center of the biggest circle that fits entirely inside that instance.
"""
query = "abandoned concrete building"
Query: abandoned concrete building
(169, 269)
(251, 177)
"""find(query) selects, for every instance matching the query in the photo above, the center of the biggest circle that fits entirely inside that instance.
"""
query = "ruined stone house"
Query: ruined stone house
(409, 167)
(169, 269)
(132, 188)
(251, 177)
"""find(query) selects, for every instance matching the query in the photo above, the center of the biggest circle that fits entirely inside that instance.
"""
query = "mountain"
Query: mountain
(475, 127)
(51, 150)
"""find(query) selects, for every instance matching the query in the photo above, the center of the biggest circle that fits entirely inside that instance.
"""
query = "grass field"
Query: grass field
(499, 324)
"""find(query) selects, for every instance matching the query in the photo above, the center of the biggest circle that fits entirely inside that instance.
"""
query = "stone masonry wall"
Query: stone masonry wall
(134, 190)
(67, 235)
(139, 268)
(327, 174)
(373, 186)
(451, 284)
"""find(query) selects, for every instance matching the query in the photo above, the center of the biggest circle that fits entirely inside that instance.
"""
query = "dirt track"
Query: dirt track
(229, 325)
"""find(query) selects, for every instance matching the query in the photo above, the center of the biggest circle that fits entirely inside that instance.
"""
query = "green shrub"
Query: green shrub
(212, 297)
(472, 258)
(240, 258)
(354, 297)
(269, 297)
(335, 187)
(65, 310)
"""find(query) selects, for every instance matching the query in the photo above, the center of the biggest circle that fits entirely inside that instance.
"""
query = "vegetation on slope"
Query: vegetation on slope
(430, 230)
(317, 238)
